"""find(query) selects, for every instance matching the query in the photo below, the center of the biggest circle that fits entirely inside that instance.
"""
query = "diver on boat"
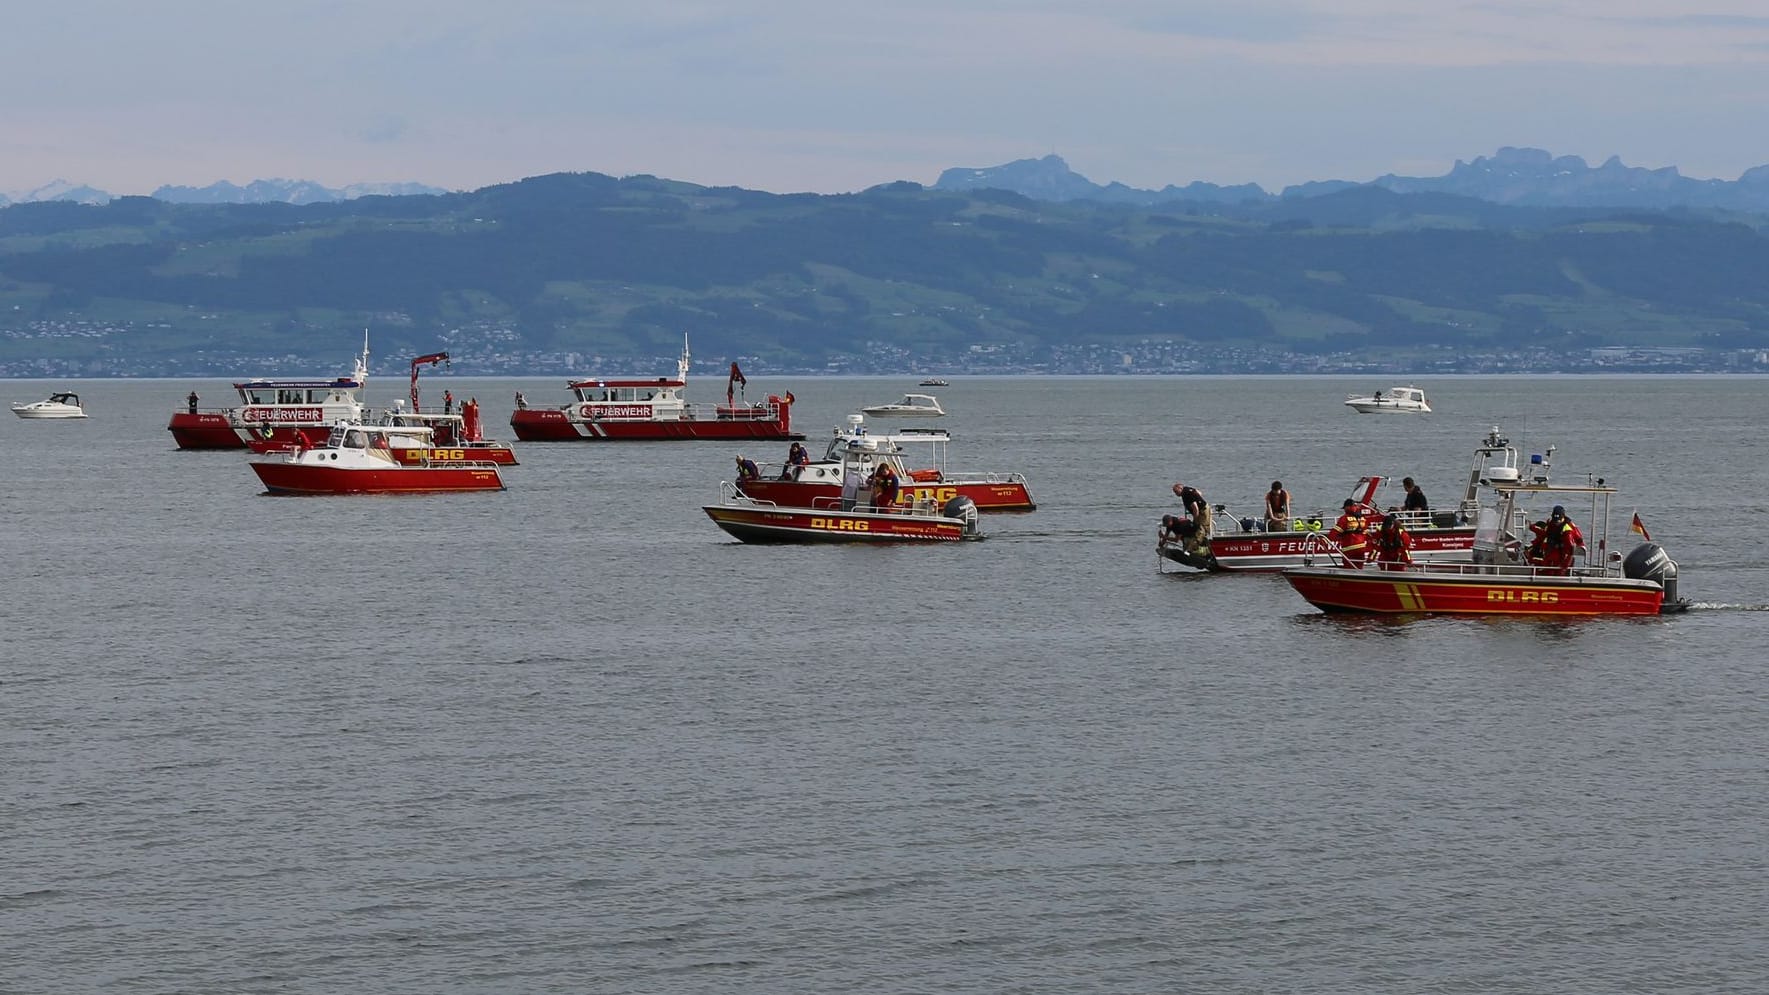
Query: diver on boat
(1177, 529)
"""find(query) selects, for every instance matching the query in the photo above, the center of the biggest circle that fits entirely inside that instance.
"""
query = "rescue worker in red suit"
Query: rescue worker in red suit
(1349, 532)
(1557, 541)
(1393, 544)
(884, 487)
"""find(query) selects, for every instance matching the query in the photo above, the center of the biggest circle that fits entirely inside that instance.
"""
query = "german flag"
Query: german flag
(1640, 527)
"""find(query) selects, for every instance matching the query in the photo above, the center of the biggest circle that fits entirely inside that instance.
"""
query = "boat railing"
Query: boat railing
(1507, 571)
(1225, 523)
(1414, 521)
(753, 411)
(982, 477)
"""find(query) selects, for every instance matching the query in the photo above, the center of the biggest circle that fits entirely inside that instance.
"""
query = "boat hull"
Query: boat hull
(281, 477)
(1422, 591)
(986, 495)
(554, 425)
(1379, 408)
(772, 524)
(48, 414)
(204, 431)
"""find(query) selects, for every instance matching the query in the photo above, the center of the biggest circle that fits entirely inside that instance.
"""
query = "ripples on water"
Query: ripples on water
(571, 738)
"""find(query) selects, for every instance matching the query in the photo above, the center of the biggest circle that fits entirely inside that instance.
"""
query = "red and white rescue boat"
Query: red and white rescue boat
(1246, 544)
(850, 515)
(358, 459)
(630, 410)
(917, 455)
(1501, 577)
(450, 438)
(273, 411)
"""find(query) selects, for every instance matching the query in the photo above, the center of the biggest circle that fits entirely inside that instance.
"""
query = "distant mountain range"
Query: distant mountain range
(223, 192)
(1523, 177)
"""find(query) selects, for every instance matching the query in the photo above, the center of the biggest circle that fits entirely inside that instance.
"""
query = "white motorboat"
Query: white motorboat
(61, 404)
(911, 406)
(1394, 400)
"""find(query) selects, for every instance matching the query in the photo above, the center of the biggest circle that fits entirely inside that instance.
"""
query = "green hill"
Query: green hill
(578, 270)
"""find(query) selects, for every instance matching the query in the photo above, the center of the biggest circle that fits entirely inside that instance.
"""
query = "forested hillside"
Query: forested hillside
(569, 270)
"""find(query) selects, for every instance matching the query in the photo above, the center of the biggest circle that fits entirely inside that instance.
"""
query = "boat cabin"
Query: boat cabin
(284, 392)
(65, 397)
(602, 392)
(355, 435)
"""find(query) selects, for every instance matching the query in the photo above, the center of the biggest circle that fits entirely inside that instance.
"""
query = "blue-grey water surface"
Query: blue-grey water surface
(571, 738)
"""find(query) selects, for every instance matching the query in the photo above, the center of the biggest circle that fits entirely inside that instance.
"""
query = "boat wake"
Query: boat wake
(1723, 606)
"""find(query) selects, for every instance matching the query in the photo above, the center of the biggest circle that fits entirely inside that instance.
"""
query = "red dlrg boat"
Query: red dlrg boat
(1503, 575)
(917, 455)
(358, 459)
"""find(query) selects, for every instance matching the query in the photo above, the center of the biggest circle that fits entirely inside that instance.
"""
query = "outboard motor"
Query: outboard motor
(965, 510)
(1649, 561)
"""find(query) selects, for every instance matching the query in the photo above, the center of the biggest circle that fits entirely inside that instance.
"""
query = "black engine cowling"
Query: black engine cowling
(963, 509)
(1649, 561)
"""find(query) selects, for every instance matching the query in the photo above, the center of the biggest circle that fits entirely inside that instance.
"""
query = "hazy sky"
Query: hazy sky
(834, 95)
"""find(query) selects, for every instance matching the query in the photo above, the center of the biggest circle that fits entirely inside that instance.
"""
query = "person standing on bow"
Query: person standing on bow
(1196, 508)
(1277, 508)
(1350, 534)
(192, 401)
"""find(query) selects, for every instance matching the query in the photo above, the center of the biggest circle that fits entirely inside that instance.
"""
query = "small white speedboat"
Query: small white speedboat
(1394, 400)
(911, 406)
(61, 404)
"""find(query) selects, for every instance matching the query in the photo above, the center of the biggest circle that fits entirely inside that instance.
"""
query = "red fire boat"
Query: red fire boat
(632, 410)
(274, 411)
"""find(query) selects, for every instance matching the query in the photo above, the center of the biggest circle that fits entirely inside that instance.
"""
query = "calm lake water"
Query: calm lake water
(570, 737)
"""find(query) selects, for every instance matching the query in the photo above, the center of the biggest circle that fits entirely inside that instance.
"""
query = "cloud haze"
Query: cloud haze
(793, 95)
